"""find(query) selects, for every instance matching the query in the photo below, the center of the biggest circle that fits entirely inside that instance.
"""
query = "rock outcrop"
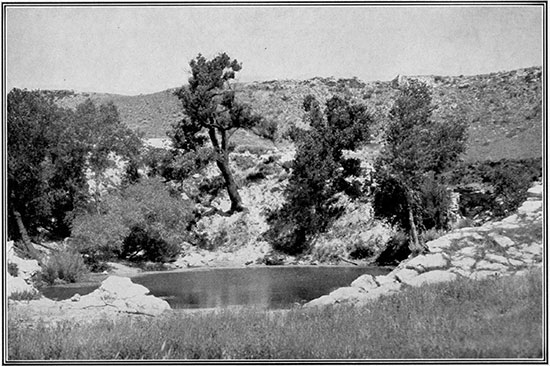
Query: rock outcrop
(508, 247)
(26, 269)
(121, 295)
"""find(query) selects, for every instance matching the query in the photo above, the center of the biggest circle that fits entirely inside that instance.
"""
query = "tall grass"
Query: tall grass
(497, 318)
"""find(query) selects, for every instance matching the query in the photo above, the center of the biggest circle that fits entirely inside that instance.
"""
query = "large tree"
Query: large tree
(320, 171)
(418, 150)
(49, 151)
(210, 106)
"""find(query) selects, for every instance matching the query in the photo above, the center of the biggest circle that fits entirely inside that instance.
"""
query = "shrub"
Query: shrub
(25, 295)
(149, 207)
(146, 244)
(397, 249)
(13, 269)
(267, 129)
(66, 266)
(320, 172)
(507, 182)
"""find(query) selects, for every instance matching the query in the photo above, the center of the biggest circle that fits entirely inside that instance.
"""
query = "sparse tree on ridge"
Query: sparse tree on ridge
(210, 105)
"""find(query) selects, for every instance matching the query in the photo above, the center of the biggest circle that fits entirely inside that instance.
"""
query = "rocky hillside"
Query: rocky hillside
(504, 109)
(512, 246)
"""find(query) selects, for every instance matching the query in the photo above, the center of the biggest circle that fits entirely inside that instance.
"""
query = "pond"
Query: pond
(266, 287)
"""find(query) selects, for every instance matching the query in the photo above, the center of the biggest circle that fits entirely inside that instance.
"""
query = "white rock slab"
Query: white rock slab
(501, 240)
(428, 262)
(366, 282)
(436, 276)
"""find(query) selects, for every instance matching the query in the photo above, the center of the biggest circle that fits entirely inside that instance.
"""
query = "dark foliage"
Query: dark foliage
(49, 151)
(211, 108)
(146, 244)
(409, 173)
(319, 172)
(493, 189)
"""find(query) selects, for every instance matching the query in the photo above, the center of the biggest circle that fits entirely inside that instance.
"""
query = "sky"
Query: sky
(132, 50)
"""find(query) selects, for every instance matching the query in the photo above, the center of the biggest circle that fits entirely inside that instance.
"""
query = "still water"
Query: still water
(267, 287)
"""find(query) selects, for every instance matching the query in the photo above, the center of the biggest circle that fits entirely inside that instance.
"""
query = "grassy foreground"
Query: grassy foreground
(496, 318)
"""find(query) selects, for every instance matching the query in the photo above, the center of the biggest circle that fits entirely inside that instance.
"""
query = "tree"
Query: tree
(417, 153)
(320, 171)
(49, 151)
(210, 105)
(29, 117)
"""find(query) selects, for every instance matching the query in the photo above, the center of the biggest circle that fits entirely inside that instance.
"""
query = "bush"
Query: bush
(67, 266)
(13, 269)
(25, 295)
(397, 249)
(143, 214)
(146, 244)
(506, 182)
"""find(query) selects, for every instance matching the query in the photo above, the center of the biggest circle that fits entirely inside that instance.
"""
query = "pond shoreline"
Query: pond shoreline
(123, 270)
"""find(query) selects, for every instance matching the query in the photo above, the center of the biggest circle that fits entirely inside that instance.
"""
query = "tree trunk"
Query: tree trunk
(222, 161)
(236, 201)
(415, 246)
(31, 250)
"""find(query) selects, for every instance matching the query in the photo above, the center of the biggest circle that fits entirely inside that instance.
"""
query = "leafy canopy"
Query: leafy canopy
(418, 151)
(49, 151)
(320, 171)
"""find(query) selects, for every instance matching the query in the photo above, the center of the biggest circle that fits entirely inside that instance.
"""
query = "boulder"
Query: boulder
(26, 267)
(431, 277)
(403, 275)
(439, 244)
(489, 266)
(535, 191)
(464, 263)
(502, 241)
(428, 262)
(530, 207)
(385, 280)
(122, 295)
(366, 282)
(17, 284)
(324, 300)
(346, 294)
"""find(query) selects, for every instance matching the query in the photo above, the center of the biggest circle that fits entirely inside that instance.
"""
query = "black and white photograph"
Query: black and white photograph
(288, 182)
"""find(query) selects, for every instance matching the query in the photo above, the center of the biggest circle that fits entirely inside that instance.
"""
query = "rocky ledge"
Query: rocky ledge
(115, 297)
(511, 246)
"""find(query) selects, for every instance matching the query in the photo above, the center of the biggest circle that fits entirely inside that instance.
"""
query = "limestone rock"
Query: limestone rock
(122, 295)
(404, 275)
(502, 241)
(121, 287)
(17, 284)
(496, 258)
(536, 190)
(534, 248)
(439, 244)
(26, 267)
(464, 263)
(530, 207)
(346, 294)
(488, 266)
(423, 263)
(436, 276)
(468, 251)
(385, 280)
(366, 282)
(324, 300)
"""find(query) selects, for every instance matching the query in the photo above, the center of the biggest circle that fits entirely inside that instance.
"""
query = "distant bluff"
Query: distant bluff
(504, 109)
